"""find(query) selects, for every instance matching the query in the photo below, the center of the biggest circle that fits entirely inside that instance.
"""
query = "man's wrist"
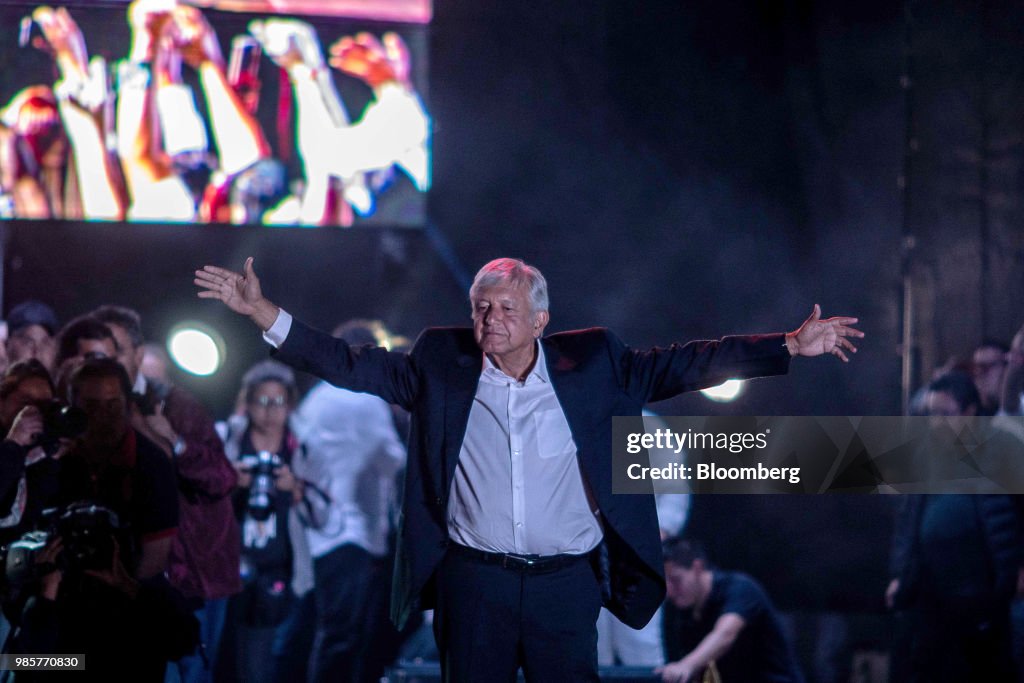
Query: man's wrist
(264, 314)
(792, 344)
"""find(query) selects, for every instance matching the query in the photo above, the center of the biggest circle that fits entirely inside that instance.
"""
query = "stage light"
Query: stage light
(724, 392)
(196, 348)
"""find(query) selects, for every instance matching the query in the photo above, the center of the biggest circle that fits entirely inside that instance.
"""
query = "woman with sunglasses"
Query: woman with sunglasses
(274, 505)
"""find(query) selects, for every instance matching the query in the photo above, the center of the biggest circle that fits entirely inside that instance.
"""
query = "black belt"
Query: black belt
(528, 564)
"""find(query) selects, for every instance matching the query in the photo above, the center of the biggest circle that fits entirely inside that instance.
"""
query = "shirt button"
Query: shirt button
(519, 525)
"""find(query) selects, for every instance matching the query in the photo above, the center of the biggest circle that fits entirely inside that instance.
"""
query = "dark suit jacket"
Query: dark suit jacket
(595, 376)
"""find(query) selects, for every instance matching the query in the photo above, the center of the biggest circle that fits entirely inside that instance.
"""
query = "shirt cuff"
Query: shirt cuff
(278, 332)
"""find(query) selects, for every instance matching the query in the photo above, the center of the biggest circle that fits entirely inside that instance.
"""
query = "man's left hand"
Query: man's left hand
(816, 336)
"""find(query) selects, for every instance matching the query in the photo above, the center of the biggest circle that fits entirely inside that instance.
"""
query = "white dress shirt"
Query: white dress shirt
(518, 487)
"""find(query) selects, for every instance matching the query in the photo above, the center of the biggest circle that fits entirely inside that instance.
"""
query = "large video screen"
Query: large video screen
(272, 112)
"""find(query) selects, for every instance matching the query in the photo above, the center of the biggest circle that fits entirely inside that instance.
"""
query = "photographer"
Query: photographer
(273, 504)
(24, 467)
(108, 598)
(204, 555)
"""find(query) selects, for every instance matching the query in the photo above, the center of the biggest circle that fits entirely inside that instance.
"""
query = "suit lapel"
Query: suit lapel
(460, 389)
(575, 395)
(571, 393)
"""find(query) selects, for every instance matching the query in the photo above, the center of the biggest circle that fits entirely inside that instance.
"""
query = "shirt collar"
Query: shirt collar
(539, 373)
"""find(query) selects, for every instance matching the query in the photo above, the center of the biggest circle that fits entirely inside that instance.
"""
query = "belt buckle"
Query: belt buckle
(517, 562)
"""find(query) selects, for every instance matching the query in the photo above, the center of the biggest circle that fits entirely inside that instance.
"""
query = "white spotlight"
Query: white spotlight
(196, 348)
(724, 392)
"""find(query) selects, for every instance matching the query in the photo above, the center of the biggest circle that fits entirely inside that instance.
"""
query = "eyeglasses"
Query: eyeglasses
(270, 401)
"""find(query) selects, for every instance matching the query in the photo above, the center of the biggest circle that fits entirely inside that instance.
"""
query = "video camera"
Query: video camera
(88, 532)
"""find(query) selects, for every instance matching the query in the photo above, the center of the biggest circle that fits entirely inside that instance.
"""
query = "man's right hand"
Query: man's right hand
(241, 293)
(28, 425)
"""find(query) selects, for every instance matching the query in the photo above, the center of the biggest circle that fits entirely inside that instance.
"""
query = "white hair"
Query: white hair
(514, 272)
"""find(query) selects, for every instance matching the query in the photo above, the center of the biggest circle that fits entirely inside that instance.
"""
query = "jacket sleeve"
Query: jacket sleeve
(202, 469)
(370, 369)
(660, 373)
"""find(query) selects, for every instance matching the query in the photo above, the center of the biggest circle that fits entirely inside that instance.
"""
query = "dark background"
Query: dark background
(677, 170)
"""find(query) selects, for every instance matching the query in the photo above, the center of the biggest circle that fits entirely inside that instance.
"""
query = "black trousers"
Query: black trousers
(342, 591)
(491, 620)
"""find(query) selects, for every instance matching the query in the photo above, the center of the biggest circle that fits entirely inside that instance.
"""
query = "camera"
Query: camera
(87, 530)
(156, 394)
(261, 491)
(19, 557)
(59, 422)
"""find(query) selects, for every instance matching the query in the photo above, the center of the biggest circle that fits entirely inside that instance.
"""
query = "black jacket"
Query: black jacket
(1001, 519)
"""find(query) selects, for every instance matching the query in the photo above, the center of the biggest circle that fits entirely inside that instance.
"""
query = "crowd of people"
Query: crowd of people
(136, 147)
(159, 541)
(260, 547)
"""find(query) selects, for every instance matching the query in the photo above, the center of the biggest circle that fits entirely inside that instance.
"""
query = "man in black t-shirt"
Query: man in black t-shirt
(720, 617)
